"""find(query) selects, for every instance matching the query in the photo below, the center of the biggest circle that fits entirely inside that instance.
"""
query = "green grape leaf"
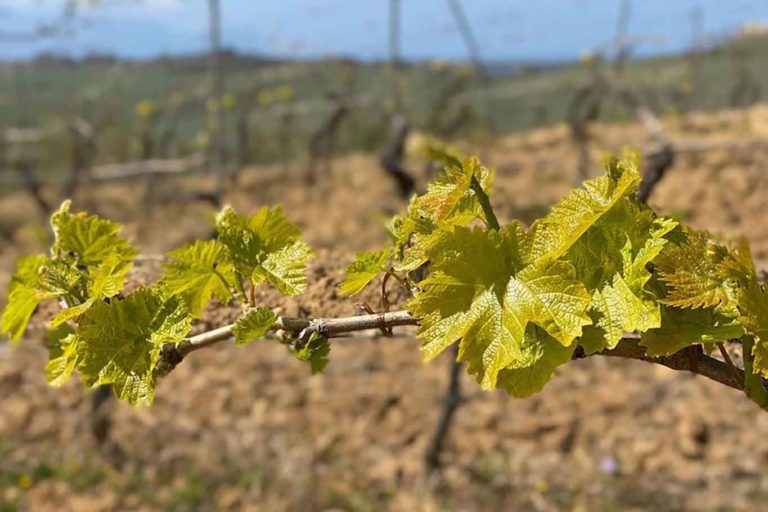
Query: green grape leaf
(422, 236)
(608, 312)
(27, 271)
(449, 201)
(636, 267)
(24, 295)
(695, 273)
(249, 239)
(548, 294)
(616, 309)
(753, 381)
(553, 235)
(474, 295)
(243, 244)
(36, 279)
(63, 355)
(63, 279)
(542, 354)
(491, 339)
(753, 305)
(22, 302)
(89, 239)
(466, 264)
(624, 305)
(597, 254)
(253, 325)
(106, 280)
(267, 247)
(450, 196)
(681, 328)
(738, 265)
(286, 268)
(198, 272)
(119, 342)
(273, 229)
(366, 267)
(314, 351)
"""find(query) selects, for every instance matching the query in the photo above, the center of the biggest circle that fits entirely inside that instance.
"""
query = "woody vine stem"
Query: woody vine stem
(518, 299)
(719, 371)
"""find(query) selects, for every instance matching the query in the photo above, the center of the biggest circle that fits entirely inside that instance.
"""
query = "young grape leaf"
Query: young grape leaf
(684, 327)
(548, 294)
(285, 268)
(37, 278)
(106, 280)
(88, 262)
(753, 304)
(624, 305)
(466, 264)
(24, 295)
(89, 239)
(64, 280)
(697, 273)
(22, 302)
(450, 196)
(199, 272)
(63, 355)
(366, 267)
(474, 294)
(253, 325)
(27, 271)
(542, 354)
(738, 265)
(615, 310)
(553, 235)
(597, 254)
(449, 201)
(314, 351)
(267, 247)
(753, 380)
(242, 242)
(119, 342)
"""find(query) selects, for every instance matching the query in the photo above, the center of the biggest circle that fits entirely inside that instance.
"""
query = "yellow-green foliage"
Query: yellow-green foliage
(518, 301)
(600, 264)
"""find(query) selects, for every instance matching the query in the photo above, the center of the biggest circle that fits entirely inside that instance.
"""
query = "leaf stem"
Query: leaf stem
(240, 287)
(731, 366)
(226, 283)
(485, 203)
(397, 278)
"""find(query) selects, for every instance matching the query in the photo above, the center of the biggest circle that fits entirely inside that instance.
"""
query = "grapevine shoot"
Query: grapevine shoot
(601, 274)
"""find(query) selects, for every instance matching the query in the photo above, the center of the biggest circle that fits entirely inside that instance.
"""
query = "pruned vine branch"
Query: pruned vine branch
(146, 167)
(706, 366)
(629, 347)
(172, 354)
(552, 291)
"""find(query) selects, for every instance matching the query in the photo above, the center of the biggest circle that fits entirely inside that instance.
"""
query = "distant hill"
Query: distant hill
(437, 95)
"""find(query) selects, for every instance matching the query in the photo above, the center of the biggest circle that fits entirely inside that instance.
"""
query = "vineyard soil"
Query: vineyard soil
(246, 428)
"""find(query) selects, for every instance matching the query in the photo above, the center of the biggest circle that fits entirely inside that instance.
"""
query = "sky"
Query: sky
(506, 29)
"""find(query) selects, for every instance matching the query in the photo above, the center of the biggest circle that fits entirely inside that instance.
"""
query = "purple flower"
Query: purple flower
(609, 465)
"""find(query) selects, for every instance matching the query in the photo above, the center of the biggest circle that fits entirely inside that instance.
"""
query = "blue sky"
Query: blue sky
(506, 29)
